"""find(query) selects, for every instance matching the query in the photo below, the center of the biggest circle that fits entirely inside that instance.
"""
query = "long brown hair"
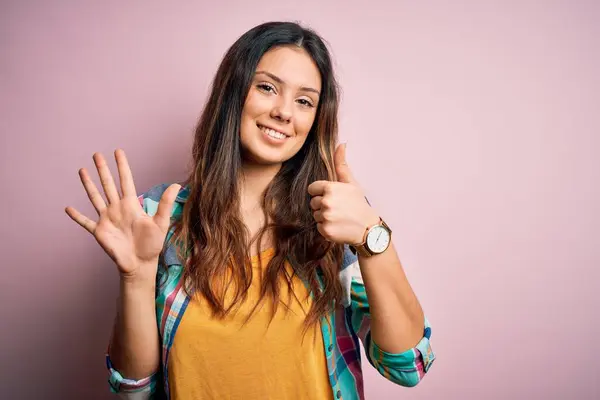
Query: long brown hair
(211, 233)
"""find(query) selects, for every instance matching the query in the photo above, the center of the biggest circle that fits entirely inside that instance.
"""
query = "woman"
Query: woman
(263, 260)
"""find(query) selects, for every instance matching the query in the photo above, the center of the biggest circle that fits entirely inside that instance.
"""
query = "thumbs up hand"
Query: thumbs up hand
(340, 208)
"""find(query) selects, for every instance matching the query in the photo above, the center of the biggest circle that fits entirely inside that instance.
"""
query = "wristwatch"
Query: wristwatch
(376, 240)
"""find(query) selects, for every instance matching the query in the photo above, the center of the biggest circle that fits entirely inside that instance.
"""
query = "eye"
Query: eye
(305, 103)
(266, 87)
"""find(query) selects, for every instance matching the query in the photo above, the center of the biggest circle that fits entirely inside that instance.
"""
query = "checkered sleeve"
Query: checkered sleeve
(142, 389)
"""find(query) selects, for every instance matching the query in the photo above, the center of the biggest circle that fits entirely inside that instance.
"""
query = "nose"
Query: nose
(282, 111)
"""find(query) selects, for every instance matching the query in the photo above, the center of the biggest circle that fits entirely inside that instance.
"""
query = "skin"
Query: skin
(283, 96)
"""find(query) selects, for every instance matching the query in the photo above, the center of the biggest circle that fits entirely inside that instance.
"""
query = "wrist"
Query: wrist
(137, 286)
(140, 280)
(370, 219)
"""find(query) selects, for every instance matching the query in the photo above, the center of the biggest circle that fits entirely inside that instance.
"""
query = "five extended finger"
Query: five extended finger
(92, 191)
(165, 206)
(125, 175)
(81, 219)
(108, 184)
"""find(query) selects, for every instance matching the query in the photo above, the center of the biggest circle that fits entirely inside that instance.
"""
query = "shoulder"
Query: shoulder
(150, 198)
(156, 192)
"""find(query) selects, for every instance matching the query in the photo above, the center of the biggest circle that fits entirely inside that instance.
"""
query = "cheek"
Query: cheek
(303, 124)
(302, 128)
(250, 111)
(255, 105)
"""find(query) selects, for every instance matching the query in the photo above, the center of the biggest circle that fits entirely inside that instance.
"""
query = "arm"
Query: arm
(397, 318)
(134, 352)
(133, 355)
(383, 310)
(132, 235)
(134, 346)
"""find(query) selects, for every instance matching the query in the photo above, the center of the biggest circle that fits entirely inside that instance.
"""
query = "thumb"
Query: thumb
(341, 166)
(165, 206)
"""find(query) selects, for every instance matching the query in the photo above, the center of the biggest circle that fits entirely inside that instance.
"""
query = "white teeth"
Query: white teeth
(275, 134)
(272, 133)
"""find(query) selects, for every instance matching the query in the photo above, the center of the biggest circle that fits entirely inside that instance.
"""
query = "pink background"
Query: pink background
(473, 126)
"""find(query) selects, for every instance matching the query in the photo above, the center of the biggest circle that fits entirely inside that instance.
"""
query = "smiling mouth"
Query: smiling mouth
(272, 133)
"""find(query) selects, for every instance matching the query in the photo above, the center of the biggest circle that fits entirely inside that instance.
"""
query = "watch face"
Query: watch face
(378, 239)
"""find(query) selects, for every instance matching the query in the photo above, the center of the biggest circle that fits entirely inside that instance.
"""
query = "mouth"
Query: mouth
(272, 132)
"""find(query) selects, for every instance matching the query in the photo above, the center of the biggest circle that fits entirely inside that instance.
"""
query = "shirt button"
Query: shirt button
(330, 348)
(338, 394)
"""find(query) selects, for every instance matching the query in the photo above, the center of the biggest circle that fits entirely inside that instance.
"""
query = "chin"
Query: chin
(266, 157)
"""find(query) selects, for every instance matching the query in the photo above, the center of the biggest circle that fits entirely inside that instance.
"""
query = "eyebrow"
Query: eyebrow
(280, 81)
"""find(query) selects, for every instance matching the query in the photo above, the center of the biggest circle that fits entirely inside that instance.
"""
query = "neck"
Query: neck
(254, 181)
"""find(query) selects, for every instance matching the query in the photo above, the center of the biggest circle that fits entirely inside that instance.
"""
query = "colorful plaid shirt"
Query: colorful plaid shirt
(350, 323)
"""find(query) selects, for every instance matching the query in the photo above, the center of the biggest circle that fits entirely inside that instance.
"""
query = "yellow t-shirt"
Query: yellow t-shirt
(223, 359)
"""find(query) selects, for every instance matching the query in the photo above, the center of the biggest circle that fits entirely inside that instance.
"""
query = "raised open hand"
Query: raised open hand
(132, 238)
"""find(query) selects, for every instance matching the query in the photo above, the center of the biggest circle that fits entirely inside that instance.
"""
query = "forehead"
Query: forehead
(293, 65)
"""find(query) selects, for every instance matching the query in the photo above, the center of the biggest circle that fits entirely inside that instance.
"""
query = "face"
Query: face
(281, 106)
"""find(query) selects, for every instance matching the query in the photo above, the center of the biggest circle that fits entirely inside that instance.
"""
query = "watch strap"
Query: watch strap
(361, 250)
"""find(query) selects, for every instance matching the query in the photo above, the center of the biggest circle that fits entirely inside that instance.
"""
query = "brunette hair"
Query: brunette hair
(210, 232)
